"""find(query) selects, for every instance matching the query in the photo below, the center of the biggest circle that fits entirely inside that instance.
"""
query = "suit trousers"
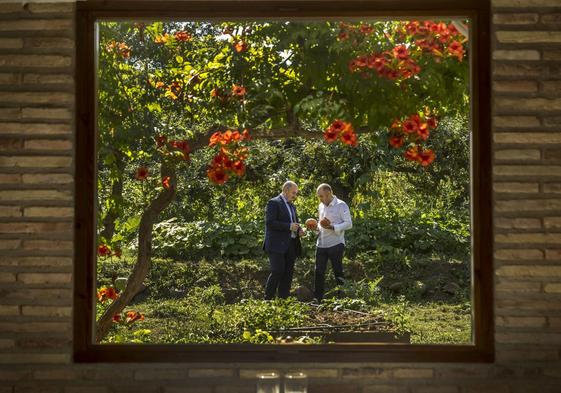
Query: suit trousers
(282, 269)
(323, 255)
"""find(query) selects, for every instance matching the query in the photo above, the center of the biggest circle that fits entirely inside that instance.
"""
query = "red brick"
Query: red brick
(552, 154)
(515, 19)
(552, 188)
(8, 8)
(37, 296)
(10, 244)
(36, 24)
(9, 310)
(551, 18)
(527, 355)
(518, 70)
(528, 138)
(43, 42)
(515, 187)
(10, 211)
(36, 61)
(51, 7)
(35, 128)
(46, 311)
(48, 245)
(10, 79)
(47, 343)
(56, 212)
(56, 374)
(47, 178)
(8, 144)
(9, 113)
(529, 37)
(552, 254)
(40, 261)
(529, 271)
(46, 113)
(518, 154)
(34, 327)
(39, 195)
(515, 86)
(45, 278)
(518, 223)
(516, 253)
(11, 43)
(35, 227)
(38, 97)
(335, 388)
(7, 277)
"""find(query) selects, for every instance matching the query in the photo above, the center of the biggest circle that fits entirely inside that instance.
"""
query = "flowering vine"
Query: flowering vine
(342, 131)
(411, 132)
(230, 156)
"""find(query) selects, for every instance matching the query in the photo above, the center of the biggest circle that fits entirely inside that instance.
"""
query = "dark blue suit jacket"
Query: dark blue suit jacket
(277, 227)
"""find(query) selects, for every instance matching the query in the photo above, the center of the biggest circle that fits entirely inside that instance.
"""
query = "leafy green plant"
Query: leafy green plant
(365, 290)
(276, 314)
(207, 239)
(398, 315)
(257, 337)
(343, 303)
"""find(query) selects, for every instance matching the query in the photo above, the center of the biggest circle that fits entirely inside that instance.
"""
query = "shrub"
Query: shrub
(207, 239)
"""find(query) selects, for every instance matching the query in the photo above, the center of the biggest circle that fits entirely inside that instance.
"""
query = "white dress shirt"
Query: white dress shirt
(338, 213)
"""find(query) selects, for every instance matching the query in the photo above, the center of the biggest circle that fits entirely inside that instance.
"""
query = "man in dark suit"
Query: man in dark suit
(282, 240)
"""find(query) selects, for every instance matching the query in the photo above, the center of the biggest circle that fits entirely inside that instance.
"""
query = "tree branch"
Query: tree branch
(201, 140)
(142, 266)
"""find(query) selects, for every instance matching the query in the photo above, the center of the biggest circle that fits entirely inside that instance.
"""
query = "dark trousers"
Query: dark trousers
(323, 255)
(282, 269)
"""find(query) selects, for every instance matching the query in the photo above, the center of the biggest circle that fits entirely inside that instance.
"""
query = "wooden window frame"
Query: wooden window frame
(482, 347)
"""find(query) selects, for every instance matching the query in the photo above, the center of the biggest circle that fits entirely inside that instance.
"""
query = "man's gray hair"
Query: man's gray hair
(288, 185)
(324, 187)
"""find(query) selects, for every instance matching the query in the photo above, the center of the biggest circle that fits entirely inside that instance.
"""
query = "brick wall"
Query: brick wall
(36, 140)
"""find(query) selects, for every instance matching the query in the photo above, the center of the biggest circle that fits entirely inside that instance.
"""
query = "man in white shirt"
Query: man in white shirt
(334, 220)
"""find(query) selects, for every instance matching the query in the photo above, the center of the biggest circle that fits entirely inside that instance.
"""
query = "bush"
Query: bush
(419, 234)
(207, 239)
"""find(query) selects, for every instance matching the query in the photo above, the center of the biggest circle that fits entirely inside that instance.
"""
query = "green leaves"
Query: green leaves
(207, 239)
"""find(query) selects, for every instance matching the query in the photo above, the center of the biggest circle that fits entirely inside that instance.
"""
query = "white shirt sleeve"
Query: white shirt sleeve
(346, 217)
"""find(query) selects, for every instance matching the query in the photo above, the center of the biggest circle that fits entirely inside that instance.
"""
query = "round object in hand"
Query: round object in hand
(311, 223)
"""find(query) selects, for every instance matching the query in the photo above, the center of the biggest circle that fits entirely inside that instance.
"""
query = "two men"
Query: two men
(282, 243)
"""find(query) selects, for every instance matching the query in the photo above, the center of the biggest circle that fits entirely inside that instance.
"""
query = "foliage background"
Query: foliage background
(411, 224)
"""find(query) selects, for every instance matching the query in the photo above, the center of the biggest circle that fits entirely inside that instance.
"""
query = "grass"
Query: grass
(185, 321)
(190, 302)
(440, 323)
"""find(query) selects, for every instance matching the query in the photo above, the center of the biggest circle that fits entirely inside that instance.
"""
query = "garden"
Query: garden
(200, 124)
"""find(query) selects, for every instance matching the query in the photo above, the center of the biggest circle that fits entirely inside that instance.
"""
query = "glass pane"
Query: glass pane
(199, 126)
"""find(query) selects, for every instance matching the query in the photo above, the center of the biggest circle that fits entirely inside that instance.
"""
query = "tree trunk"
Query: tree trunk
(117, 195)
(109, 220)
(142, 266)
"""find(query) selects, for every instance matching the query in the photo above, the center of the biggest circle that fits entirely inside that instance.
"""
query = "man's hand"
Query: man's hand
(325, 223)
(294, 227)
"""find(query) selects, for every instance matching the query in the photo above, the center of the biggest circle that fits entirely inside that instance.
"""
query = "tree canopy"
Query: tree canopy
(167, 89)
